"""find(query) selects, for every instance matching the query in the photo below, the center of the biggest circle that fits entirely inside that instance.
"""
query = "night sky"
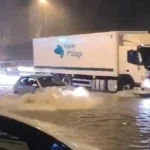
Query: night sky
(23, 20)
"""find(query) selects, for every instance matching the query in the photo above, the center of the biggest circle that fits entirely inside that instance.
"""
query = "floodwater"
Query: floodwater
(107, 122)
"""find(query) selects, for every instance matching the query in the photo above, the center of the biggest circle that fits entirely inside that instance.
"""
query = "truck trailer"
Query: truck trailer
(94, 60)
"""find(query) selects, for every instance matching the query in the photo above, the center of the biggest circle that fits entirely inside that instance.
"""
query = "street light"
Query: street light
(43, 1)
(45, 14)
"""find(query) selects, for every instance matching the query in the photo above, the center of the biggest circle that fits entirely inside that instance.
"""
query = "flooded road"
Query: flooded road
(112, 123)
(115, 124)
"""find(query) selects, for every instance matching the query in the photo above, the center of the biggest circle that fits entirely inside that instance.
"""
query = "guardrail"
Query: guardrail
(15, 63)
(11, 67)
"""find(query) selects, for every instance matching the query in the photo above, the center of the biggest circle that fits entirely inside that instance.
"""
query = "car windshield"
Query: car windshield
(79, 68)
(50, 81)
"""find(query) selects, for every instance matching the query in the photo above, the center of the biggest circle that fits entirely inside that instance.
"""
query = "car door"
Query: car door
(22, 86)
(32, 85)
(26, 85)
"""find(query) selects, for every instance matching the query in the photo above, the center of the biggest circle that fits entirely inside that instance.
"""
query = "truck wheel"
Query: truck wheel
(125, 84)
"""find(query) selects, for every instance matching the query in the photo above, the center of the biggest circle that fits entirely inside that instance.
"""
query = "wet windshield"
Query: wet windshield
(100, 52)
(145, 54)
(50, 81)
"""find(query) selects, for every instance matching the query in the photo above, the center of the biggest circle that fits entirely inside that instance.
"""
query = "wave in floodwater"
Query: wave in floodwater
(129, 93)
(53, 99)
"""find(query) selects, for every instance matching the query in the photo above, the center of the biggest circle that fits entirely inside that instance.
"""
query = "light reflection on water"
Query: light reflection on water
(115, 124)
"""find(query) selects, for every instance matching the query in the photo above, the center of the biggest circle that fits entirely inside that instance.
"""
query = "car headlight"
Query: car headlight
(80, 92)
(146, 83)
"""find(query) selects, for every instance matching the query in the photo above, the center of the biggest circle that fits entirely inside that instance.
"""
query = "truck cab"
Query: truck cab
(134, 60)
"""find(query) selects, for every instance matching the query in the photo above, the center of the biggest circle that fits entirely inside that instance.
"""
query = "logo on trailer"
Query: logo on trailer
(69, 49)
(59, 51)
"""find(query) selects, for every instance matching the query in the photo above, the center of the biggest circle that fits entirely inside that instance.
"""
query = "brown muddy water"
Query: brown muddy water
(112, 123)
(120, 124)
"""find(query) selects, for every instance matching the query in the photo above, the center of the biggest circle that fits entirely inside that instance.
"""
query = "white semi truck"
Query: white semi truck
(94, 60)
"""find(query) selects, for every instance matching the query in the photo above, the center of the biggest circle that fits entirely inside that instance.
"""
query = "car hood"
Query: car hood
(41, 127)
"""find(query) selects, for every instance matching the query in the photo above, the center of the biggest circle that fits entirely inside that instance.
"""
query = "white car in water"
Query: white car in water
(32, 83)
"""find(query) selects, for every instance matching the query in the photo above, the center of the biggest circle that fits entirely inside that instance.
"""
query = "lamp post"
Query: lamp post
(44, 2)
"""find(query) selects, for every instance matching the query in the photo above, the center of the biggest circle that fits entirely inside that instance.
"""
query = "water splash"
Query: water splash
(51, 99)
(55, 99)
